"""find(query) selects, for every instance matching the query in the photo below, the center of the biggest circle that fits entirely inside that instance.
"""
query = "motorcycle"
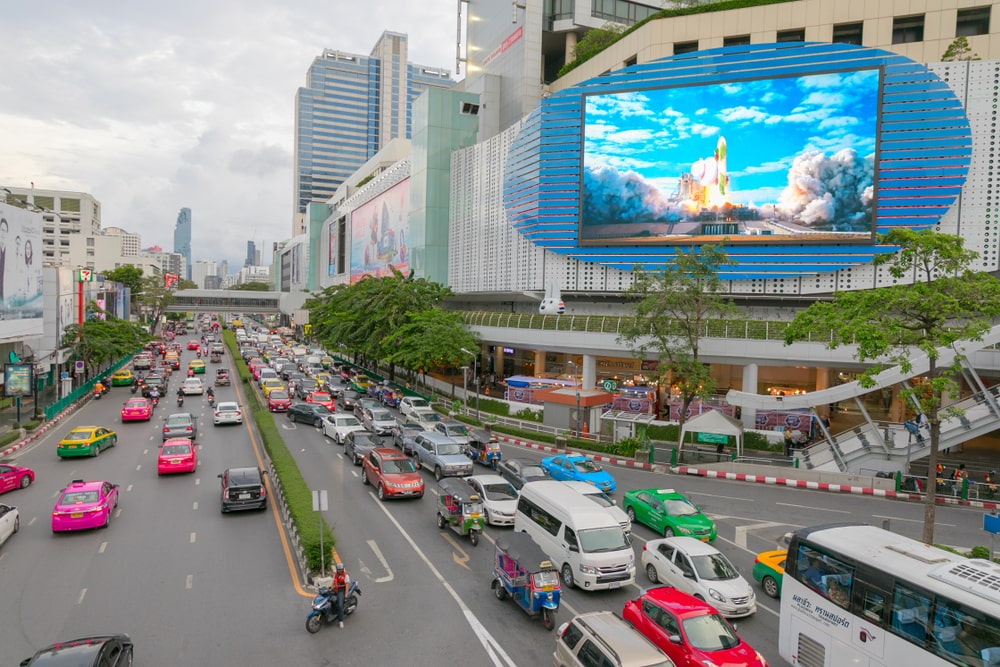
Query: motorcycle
(100, 392)
(134, 388)
(324, 606)
(154, 399)
(211, 401)
(180, 400)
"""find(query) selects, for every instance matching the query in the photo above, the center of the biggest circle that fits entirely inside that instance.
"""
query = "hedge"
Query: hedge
(298, 496)
(11, 437)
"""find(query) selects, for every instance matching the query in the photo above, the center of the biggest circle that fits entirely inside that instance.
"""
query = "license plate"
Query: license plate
(78, 515)
(742, 610)
(174, 461)
(475, 515)
(244, 496)
(615, 584)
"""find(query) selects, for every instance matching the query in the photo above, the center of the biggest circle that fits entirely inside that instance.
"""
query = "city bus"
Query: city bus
(854, 594)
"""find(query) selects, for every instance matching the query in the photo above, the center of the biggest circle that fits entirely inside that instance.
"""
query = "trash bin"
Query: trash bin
(561, 442)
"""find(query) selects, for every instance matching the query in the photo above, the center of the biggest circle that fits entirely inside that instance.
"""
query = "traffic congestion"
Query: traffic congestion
(115, 530)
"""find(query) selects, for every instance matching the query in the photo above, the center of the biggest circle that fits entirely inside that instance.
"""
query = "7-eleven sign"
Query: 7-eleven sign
(84, 275)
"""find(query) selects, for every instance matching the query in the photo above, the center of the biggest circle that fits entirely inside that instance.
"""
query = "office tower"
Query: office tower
(202, 269)
(182, 239)
(223, 268)
(63, 213)
(251, 253)
(351, 107)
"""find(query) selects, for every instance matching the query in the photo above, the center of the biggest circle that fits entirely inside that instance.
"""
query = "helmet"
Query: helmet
(340, 567)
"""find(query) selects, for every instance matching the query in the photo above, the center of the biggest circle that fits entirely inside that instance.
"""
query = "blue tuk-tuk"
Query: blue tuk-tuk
(483, 448)
(524, 573)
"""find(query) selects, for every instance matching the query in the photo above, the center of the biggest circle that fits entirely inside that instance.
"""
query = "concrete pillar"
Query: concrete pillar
(539, 363)
(749, 415)
(823, 381)
(570, 46)
(498, 362)
(589, 371)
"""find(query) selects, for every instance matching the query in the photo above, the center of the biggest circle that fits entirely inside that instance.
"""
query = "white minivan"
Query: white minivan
(604, 500)
(587, 543)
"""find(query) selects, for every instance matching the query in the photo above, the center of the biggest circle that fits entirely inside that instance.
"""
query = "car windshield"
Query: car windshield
(175, 450)
(533, 471)
(597, 540)
(178, 420)
(348, 421)
(430, 417)
(458, 430)
(223, 407)
(398, 466)
(586, 465)
(136, 403)
(499, 491)
(714, 567)
(600, 499)
(448, 449)
(680, 508)
(79, 434)
(418, 403)
(79, 497)
(367, 439)
(709, 632)
(382, 416)
(280, 395)
(320, 396)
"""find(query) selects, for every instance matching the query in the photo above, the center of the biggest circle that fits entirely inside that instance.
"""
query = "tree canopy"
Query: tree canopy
(946, 302)
(254, 286)
(154, 298)
(128, 275)
(96, 342)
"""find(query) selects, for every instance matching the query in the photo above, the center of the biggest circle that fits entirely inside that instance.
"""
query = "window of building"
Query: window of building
(736, 40)
(90, 241)
(974, 21)
(559, 9)
(685, 47)
(848, 33)
(797, 35)
(906, 29)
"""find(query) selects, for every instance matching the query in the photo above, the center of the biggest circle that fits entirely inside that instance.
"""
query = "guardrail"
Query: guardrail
(57, 406)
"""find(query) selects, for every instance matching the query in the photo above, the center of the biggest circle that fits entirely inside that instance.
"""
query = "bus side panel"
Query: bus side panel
(816, 633)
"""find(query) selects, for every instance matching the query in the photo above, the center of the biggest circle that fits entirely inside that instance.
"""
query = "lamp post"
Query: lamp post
(465, 386)
(475, 376)
(578, 416)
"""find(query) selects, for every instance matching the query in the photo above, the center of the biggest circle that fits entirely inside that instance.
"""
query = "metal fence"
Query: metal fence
(57, 406)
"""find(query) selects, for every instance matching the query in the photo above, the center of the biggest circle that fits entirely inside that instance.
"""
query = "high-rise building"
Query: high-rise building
(350, 108)
(182, 239)
(251, 253)
(170, 262)
(130, 241)
(201, 270)
(63, 213)
(223, 268)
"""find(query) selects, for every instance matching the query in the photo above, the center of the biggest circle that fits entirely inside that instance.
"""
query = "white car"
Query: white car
(192, 386)
(10, 521)
(408, 404)
(228, 413)
(498, 496)
(701, 570)
(339, 424)
(426, 418)
(379, 421)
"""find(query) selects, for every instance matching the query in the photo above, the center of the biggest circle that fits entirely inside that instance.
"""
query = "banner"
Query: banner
(170, 279)
(20, 272)
(18, 380)
(379, 233)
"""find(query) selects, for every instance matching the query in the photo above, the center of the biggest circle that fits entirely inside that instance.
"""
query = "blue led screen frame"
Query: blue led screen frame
(922, 155)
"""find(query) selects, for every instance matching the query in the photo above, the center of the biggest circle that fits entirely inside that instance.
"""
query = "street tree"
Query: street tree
(937, 301)
(100, 341)
(154, 300)
(432, 338)
(130, 276)
(673, 306)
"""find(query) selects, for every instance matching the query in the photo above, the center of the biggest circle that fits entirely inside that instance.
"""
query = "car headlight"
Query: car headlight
(682, 530)
(588, 569)
(716, 595)
(760, 657)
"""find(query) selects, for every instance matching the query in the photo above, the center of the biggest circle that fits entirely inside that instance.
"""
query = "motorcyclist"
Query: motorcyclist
(341, 582)
(99, 387)
(210, 392)
(154, 395)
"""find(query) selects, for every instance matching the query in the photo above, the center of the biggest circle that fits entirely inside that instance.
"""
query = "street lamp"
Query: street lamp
(578, 416)
(475, 376)
(465, 385)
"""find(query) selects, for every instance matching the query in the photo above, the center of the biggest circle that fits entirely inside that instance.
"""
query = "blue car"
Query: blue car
(579, 468)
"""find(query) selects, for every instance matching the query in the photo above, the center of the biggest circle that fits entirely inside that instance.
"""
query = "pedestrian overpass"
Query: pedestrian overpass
(231, 301)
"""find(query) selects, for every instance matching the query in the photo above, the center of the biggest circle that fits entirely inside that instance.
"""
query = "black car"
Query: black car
(350, 399)
(243, 489)
(154, 382)
(521, 471)
(358, 444)
(304, 387)
(101, 651)
(403, 435)
(310, 413)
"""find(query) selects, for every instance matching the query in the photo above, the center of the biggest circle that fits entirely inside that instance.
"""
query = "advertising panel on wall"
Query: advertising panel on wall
(379, 232)
(764, 160)
(18, 380)
(331, 248)
(20, 273)
(67, 301)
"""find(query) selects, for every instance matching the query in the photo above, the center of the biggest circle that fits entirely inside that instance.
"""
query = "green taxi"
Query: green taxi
(122, 378)
(86, 441)
(668, 513)
(196, 365)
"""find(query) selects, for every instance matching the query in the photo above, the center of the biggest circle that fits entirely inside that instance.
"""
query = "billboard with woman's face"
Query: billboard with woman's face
(20, 272)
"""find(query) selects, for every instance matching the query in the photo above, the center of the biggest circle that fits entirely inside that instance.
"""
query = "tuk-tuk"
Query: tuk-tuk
(215, 357)
(525, 574)
(460, 509)
(484, 448)
(222, 378)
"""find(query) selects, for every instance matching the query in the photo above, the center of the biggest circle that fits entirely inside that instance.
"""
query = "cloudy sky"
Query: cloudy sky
(152, 107)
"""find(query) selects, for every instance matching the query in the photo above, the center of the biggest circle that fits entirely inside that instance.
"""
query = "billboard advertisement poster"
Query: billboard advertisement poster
(779, 159)
(17, 380)
(380, 229)
(20, 272)
(331, 257)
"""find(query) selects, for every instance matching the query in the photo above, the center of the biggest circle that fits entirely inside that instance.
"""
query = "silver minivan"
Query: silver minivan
(602, 638)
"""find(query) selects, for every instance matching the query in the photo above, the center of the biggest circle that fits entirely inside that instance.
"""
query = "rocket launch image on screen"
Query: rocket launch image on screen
(788, 159)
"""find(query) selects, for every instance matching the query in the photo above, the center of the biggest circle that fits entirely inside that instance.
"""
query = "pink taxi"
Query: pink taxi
(177, 455)
(137, 410)
(83, 505)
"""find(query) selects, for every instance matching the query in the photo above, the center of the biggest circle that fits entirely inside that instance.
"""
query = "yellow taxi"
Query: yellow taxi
(270, 384)
(122, 378)
(196, 365)
(173, 360)
(322, 378)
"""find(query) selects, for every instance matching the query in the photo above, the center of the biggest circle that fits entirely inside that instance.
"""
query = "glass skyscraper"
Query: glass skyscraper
(350, 108)
(182, 239)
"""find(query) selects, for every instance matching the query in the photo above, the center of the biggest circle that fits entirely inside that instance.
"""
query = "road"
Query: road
(192, 586)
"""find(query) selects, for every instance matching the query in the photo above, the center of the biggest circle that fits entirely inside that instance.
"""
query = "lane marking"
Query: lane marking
(493, 649)
(195, 505)
(118, 512)
(715, 495)
(899, 518)
(128, 488)
(189, 582)
(821, 509)
(138, 467)
(462, 560)
(145, 451)
(193, 537)
(197, 481)
(381, 559)
(741, 531)
(100, 549)
(83, 592)
(33, 520)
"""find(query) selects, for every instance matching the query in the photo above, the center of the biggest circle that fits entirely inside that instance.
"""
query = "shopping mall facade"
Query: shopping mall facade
(792, 154)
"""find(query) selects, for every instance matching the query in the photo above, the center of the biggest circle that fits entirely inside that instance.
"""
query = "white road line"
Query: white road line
(195, 505)
(197, 481)
(100, 549)
(715, 495)
(899, 518)
(381, 559)
(33, 520)
(83, 592)
(354, 473)
(189, 582)
(128, 488)
(139, 467)
(118, 512)
(741, 531)
(145, 451)
(193, 537)
(808, 507)
(493, 649)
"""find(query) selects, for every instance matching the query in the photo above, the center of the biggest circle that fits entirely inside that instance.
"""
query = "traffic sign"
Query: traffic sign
(78, 367)
(320, 502)
(991, 523)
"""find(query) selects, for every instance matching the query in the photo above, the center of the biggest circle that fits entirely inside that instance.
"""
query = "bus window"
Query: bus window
(872, 604)
(909, 614)
(963, 638)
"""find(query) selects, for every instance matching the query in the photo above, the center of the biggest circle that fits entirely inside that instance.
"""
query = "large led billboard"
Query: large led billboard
(379, 232)
(781, 159)
(20, 272)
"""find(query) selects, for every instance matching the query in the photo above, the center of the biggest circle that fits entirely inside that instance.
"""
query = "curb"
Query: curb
(823, 486)
(628, 463)
(41, 430)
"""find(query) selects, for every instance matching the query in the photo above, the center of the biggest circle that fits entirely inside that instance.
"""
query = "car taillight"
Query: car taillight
(165, 429)
(189, 429)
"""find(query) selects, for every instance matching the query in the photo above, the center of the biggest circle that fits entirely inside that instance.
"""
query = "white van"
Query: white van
(604, 500)
(589, 546)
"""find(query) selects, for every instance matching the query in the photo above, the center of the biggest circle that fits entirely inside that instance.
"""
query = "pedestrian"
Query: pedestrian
(922, 421)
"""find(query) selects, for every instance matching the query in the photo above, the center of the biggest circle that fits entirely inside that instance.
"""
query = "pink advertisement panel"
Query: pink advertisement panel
(380, 230)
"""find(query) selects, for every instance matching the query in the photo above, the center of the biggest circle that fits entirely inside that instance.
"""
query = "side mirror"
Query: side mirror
(674, 639)
(689, 575)
(219, 475)
(574, 548)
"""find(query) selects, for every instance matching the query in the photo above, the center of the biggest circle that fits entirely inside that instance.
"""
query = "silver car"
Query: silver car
(437, 452)
(180, 425)
(378, 421)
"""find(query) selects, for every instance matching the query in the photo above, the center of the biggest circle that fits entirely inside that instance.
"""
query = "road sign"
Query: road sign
(85, 275)
(609, 385)
(78, 367)
(991, 523)
(319, 501)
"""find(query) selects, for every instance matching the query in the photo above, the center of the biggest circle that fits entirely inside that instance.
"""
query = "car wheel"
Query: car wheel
(291, 417)
(263, 506)
(440, 521)
(114, 440)
(567, 576)
(381, 492)
(651, 573)
(317, 422)
(364, 478)
(631, 514)
(95, 451)
(770, 586)
(437, 473)
(25, 482)
(668, 531)
(17, 524)
(107, 519)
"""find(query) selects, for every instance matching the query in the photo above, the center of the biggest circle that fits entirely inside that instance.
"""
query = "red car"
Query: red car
(193, 344)
(177, 455)
(690, 631)
(15, 477)
(278, 401)
(320, 398)
(392, 474)
(137, 410)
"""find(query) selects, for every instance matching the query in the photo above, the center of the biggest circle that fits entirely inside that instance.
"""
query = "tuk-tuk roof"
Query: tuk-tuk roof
(523, 548)
(458, 488)
(480, 435)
